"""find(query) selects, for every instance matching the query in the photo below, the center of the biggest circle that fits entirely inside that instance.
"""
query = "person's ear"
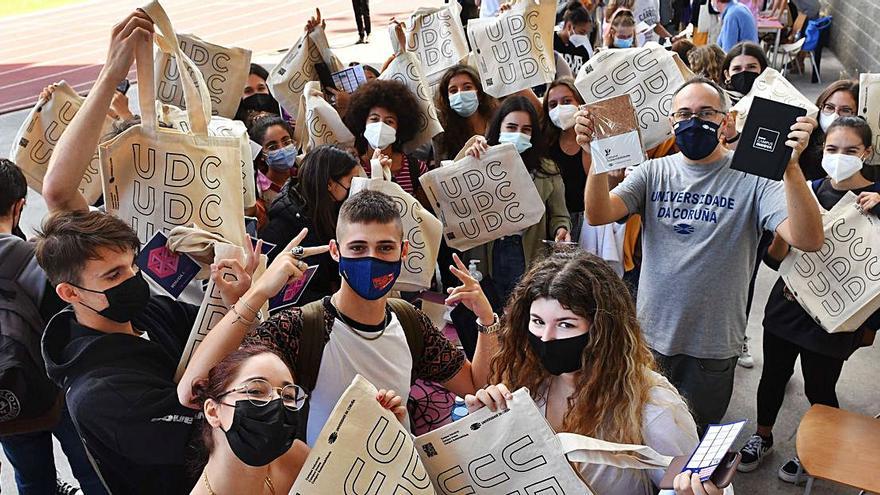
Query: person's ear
(67, 293)
(334, 250)
(212, 413)
(726, 77)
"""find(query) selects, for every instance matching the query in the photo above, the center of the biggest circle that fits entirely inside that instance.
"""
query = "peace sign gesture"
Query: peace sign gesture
(469, 293)
(287, 266)
(232, 289)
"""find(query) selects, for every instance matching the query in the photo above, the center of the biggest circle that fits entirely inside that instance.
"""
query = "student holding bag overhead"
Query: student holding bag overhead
(789, 331)
(506, 259)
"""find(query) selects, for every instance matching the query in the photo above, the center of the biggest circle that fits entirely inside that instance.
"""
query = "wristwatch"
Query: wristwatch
(491, 329)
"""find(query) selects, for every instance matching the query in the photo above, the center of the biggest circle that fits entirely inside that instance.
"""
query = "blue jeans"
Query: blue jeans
(508, 265)
(34, 463)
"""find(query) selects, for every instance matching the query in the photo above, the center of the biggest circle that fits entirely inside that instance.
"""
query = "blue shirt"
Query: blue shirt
(737, 24)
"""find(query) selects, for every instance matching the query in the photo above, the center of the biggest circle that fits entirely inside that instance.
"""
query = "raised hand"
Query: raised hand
(799, 137)
(315, 21)
(286, 267)
(479, 146)
(232, 290)
(494, 397)
(135, 29)
(469, 293)
(584, 128)
(400, 33)
(868, 200)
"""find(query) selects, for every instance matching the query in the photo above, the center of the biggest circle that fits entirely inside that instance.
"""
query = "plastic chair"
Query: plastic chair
(789, 53)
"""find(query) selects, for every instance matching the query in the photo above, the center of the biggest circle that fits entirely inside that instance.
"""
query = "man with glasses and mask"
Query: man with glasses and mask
(702, 223)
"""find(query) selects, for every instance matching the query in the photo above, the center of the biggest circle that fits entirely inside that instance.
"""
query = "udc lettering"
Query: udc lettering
(471, 200)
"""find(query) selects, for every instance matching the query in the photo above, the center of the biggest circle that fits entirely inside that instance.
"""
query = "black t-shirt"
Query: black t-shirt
(572, 170)
(575, 56)
(785, 318)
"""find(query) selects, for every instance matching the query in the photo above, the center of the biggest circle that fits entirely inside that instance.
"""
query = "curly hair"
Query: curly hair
(257, 133)
(456, 129)
(613, 384)
(393, 96)
(707, 61)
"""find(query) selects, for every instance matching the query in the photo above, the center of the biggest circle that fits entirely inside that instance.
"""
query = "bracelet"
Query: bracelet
(258, 313)
(734, 138)
(238, 317)
(491, 329)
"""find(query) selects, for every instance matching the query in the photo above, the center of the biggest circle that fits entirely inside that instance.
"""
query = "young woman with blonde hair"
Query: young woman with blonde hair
(570, 335)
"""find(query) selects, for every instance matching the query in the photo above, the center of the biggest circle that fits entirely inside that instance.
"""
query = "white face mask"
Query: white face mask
(562, 116)
(380, 135)
(522, 141)
(579, 39)
(825, 121)
(841, 167)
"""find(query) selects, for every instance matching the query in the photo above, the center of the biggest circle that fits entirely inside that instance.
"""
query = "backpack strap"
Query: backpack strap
(16, 255)
(411, 322)
(311, 345)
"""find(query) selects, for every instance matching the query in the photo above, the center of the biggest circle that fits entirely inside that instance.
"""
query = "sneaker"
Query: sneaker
(360, 40)
(753, 453)
(64, 488)
(788, 472)
(745, 358)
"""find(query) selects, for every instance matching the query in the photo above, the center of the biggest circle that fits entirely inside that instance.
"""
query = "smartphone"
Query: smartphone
(721, 477)
(123, 86)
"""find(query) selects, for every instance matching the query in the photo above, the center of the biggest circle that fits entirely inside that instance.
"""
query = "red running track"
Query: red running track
(70, 43)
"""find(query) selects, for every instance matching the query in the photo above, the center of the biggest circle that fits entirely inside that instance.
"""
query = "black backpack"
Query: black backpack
(29, 401)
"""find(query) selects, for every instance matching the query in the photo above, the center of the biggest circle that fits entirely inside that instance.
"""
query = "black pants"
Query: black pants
(362, 15)
(820, 377)
(706, 384)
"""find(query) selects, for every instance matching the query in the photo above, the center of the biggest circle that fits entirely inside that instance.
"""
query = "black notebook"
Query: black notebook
(762, 150)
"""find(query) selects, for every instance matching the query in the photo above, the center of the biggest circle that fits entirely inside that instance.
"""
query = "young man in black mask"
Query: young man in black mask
(703, 221)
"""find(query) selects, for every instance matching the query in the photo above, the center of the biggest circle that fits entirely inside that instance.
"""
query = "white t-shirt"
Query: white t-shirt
(385, 362)
(668, 428)
(647, 11)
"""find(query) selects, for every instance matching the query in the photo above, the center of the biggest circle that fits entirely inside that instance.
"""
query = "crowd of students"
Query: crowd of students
(627, 354)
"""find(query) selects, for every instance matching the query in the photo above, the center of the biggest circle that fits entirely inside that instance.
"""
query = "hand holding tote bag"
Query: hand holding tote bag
(420, 228)
(839, 285)
(225, 71)
(39, 133)
(288, 79)
(317, 122)
(157, 179)
(480, 200)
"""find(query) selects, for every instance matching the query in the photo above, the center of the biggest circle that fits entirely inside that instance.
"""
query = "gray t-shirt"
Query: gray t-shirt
(702, 224)
(808, 7)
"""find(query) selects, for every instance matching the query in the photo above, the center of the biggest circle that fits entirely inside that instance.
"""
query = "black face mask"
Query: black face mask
(126, 300)
(259, 102)
(260, 434)
(743, 81)
(562, 355)
(696, 138)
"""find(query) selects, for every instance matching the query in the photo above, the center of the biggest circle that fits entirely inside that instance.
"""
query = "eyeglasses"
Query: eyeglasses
(705, 114)
(828, 109)
(259, 392)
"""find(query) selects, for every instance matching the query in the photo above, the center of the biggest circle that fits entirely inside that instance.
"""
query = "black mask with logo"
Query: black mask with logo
(260, 434)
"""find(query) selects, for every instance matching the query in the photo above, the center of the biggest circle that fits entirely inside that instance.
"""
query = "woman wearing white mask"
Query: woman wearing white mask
(573, 40)
(463, 108)
(383, 116)
(506, 259)
(789, 332)
(840, 99)
(561, 102)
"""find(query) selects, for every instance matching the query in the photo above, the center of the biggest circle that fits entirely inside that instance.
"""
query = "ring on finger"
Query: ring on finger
(297, 251)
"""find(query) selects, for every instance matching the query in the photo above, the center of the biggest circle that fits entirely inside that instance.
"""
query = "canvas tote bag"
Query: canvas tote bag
(420, 228)
(407, 69)
(772, 86)
(39, 133)
(317, 122)
(225, 71)
(480, 200)
(288, 79)
(157, 179)
(436, 37)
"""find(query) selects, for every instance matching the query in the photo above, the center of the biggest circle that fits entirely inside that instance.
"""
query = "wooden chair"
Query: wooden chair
(840, 446)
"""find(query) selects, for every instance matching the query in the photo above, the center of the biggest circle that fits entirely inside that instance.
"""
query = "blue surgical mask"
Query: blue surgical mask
(520, 140)
(465, 103)
(623, 42)
(371, 278)
(696, 138)
(282, 158)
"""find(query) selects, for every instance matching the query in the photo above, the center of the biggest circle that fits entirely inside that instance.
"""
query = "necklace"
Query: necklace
(357, 332)
(267, 481)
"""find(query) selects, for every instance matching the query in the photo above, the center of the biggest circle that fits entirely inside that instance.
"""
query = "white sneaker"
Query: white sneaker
(745, 358)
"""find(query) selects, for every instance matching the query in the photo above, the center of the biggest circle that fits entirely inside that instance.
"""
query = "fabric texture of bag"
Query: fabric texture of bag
(650, 75)
(407, 69)
(514, 51)
(156, 179)
(225, 71)
(288, 79)
(420, 228)
(869, 108)
(27, 395)
(436, 37)
(839, 285)
(317, 122)
(480, 200)
(39, 133)
(771, 85)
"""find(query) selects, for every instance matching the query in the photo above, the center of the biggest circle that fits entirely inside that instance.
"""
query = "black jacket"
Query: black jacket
(122, 396)
(287, 217)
